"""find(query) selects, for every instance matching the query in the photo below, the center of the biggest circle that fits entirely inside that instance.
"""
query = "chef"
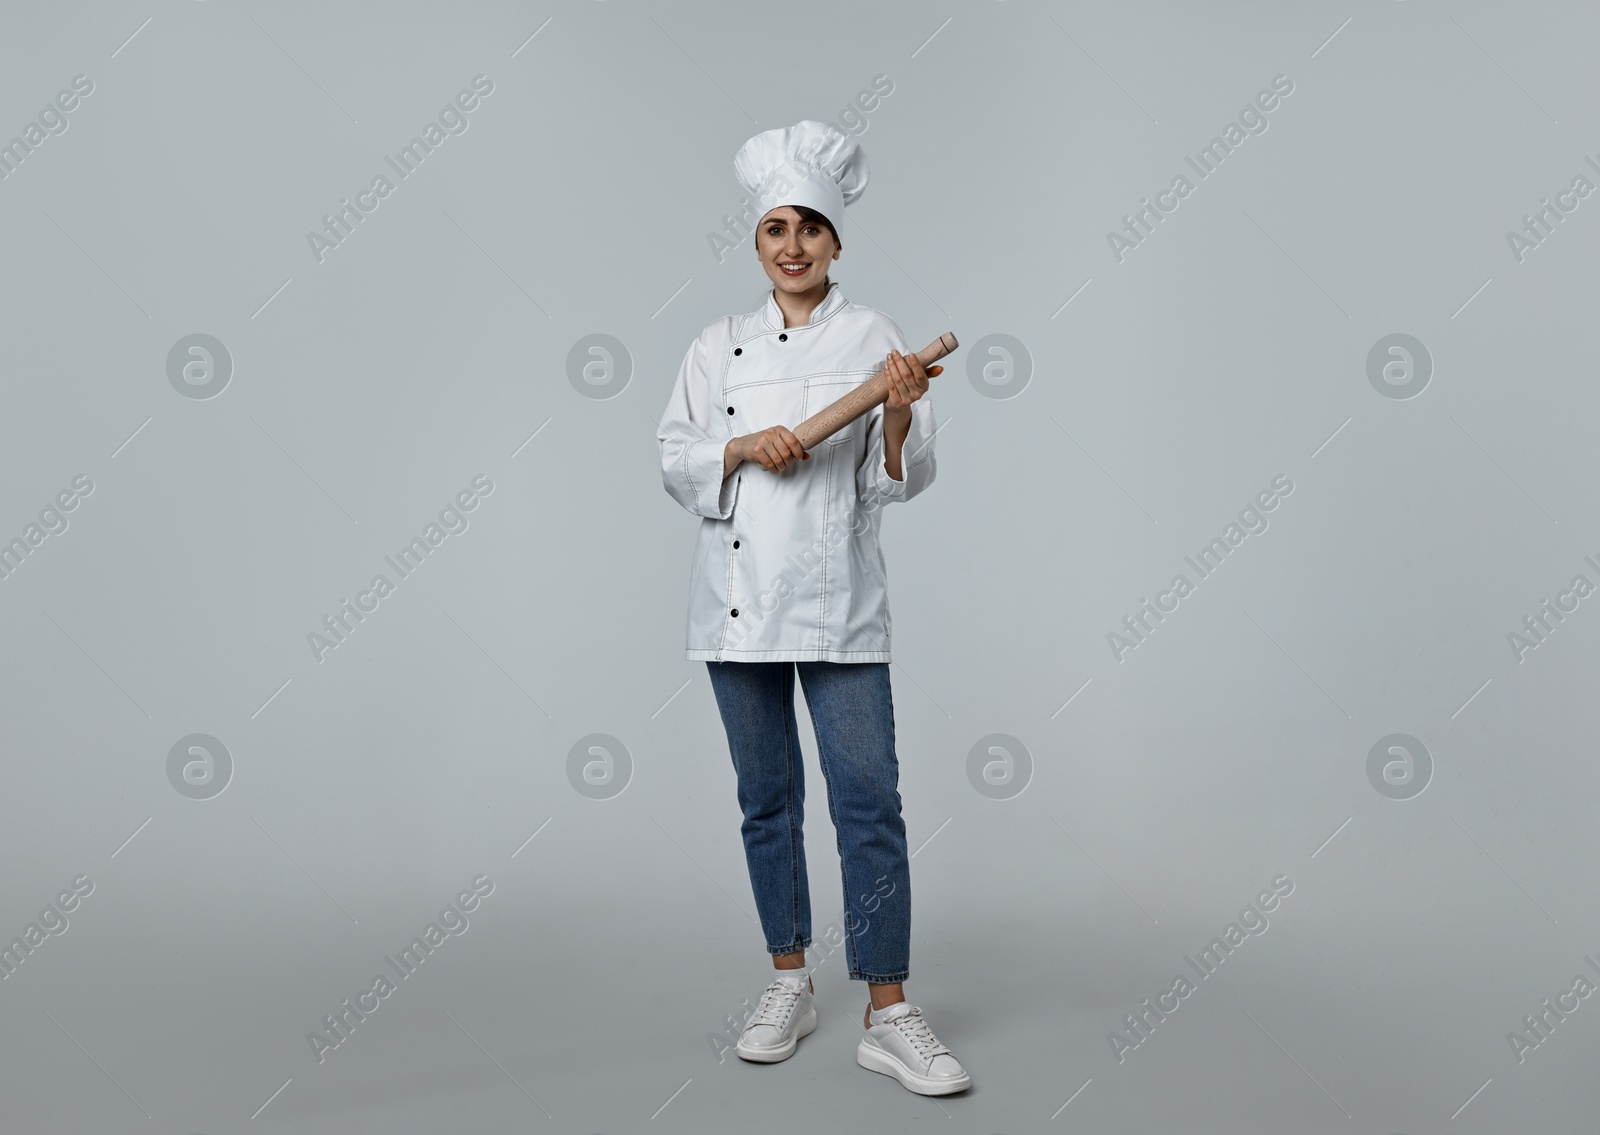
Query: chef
(788, 577)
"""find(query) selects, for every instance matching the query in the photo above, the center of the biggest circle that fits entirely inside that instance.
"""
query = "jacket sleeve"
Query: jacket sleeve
(691, 454)
(917, 463)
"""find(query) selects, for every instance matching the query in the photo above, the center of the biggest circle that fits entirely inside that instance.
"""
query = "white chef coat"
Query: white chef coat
(787, 565)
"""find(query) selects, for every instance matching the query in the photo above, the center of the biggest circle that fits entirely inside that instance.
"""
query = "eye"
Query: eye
(812, 229)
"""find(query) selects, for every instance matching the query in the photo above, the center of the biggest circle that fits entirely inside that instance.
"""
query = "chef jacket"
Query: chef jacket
(787, 566)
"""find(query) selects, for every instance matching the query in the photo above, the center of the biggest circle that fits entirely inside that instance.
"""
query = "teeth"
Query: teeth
(792, 267)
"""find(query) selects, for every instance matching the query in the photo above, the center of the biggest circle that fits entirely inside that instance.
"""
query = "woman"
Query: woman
(788, 575)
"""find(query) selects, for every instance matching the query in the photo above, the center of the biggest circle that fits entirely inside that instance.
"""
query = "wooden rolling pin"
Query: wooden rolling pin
(873, 392)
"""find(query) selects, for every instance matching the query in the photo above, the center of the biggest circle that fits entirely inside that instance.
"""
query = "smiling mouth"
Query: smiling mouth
(793, 268)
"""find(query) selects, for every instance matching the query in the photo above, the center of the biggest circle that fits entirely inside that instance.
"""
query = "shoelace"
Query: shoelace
(915, 1028)
(777, 1003)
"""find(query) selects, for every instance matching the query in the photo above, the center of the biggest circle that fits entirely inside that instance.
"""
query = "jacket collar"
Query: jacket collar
(772, 314)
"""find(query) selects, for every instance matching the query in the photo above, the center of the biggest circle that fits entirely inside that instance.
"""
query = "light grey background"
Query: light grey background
(1166, 390)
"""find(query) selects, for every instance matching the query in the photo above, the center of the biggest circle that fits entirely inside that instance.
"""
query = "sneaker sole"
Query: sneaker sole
(874, 1059)
(807, 1025)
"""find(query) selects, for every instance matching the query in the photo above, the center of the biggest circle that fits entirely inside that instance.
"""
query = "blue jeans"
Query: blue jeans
(852, 714)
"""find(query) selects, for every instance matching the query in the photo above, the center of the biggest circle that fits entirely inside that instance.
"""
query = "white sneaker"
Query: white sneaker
(904, 1047)
(784, 1015)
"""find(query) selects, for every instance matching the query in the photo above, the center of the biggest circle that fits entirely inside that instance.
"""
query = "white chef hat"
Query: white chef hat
(810, 163)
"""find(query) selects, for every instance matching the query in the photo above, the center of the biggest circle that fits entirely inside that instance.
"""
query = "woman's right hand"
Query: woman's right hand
(774, 449)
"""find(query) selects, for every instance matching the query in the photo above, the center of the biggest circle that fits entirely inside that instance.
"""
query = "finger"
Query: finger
(781, 445)
(898, 387)
(935, 371)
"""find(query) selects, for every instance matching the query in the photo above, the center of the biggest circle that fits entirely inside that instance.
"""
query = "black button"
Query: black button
(730, 409)
(736, 543)
(738, 350)
(783, 338)
(736, 612)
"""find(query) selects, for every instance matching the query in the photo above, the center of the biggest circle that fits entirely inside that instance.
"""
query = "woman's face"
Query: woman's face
(795, 253)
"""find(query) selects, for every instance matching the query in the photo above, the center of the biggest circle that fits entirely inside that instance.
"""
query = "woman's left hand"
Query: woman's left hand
(908, 381)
